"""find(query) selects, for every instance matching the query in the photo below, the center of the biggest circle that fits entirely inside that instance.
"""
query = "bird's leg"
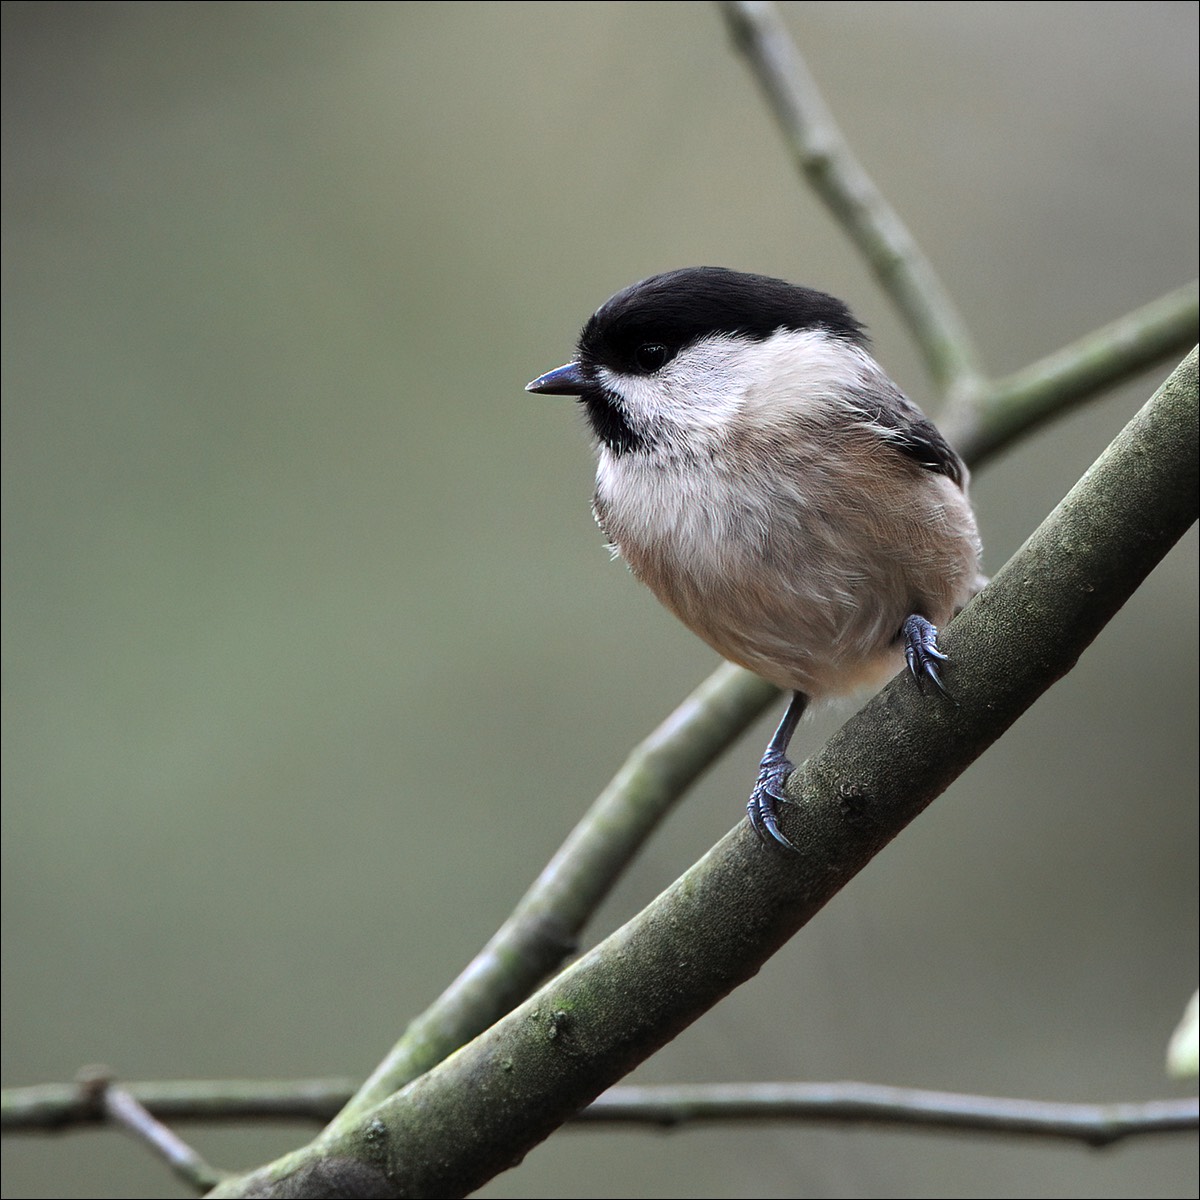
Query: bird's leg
(773, 771)
(921, 651)
(922, 655)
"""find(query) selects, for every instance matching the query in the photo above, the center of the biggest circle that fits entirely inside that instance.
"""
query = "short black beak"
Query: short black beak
(562, 381)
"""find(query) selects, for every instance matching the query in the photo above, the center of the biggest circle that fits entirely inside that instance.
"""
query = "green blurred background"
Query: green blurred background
(312, 653)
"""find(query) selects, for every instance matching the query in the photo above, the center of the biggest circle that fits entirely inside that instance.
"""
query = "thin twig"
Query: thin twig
(55, 1107)
(122, 1108)
(184, 1162)
(52, 1107)
(1012, 407)
(876, 1104)
(822, 154)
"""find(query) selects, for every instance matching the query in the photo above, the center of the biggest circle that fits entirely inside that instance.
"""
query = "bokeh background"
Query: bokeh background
(312, 653)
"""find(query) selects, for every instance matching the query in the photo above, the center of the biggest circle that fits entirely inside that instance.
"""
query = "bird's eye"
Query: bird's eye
(650, 356)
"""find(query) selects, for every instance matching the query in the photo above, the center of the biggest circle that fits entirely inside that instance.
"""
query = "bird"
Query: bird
(763, 476)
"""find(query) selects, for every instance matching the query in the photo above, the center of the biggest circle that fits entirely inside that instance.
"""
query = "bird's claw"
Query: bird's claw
(766, 797)
(921, 651)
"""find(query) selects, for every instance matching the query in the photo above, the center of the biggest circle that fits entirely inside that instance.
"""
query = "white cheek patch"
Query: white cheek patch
(806, 368)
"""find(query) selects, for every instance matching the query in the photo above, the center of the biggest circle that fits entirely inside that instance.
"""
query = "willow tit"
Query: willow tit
(775, 490)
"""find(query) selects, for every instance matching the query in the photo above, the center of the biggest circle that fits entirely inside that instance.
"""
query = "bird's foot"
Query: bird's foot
(766, 797)
(921, 651)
